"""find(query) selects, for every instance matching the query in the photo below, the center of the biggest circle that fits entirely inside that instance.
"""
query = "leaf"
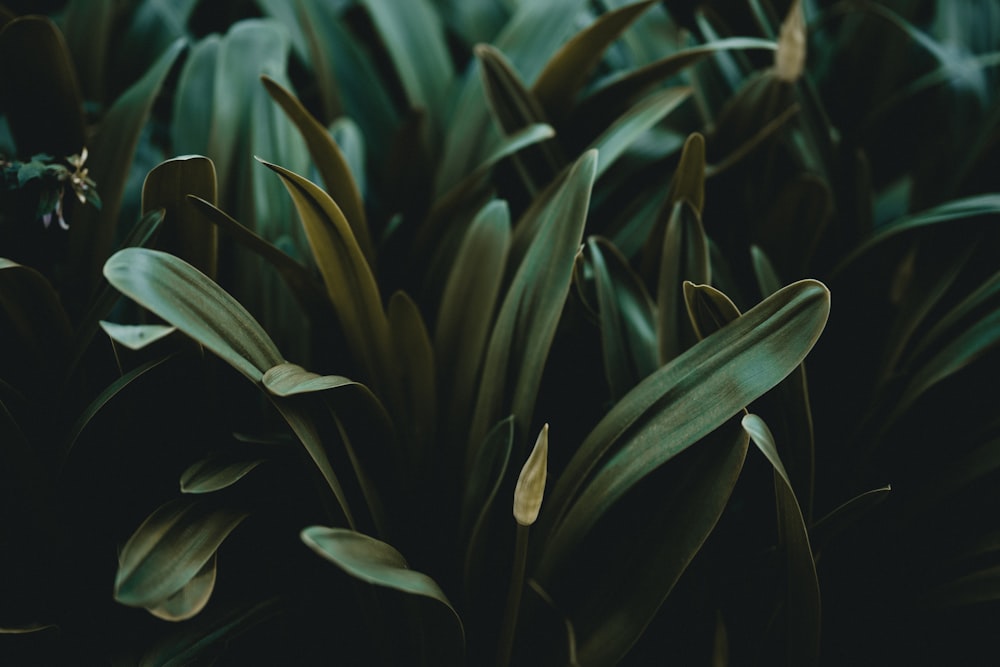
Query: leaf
(632, 124)
(136, 336)
(708, 309)
(465, 315)
(188, 299)
(526, 323)
(348, 277)
(191, 598)
(42, 119)
(684, 257)
(802, 610)
(330, 162)
(192, 112)
(627, 317)
(413, 35)
(617, 93)
(92, 232)
(89, 28)
(414, 364)
(678, 405)
(215, 473)
(169, 549)
(846, 515)
(976, 300)
(375, 562)
(567, 71)
(291, 379)
(977, 588)
(185, 233)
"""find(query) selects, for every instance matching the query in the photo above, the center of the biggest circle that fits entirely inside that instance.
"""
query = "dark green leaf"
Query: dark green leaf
(708, 309)
(684, 257)
(414, 366)
(846, 515)
(215, 473)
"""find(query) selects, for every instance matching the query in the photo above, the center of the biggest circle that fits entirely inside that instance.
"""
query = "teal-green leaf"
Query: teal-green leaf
(193, 104)
(169, 549)
(289, 379)
(526, 323)
(802, 609)
(189, 300)
(678, 405)
(136, 336)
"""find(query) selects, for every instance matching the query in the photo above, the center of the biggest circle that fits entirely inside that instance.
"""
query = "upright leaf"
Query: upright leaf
(684, 257)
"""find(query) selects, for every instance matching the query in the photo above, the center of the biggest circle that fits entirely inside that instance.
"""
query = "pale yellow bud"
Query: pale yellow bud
(790, 58)
(531, 482)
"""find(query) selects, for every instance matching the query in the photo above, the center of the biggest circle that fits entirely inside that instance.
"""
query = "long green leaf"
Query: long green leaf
(169, 549)
(188, 299)
(802, 610)
(378, 563)
(92, 232)
(526, 323)
(215, 473)
(415, 373)
(565, 73)
(193, 104)
(684, 257)
(330, 162)
(677, 406)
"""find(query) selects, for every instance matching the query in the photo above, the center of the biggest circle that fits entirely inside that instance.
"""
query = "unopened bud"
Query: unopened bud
(790, 58)
(531, 482)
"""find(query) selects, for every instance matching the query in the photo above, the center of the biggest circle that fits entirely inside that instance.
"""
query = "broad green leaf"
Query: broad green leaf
(92, 232)
(136, 336)
(465, 315)
(347, 275)
(199, 644)
(678, 405)
(215, 473)
(189, 300)
(330, 163)
(802, 609)
(191, 598)
(632, 124)
(42, 119)
(307, 289)
(291, 379)
(627, 317)
(185, 233)
(617, 93)
(413, 35)
(378, 563)
(616, 604)
(526, 323)
(169, 549)
(567, 71)
(684, 256)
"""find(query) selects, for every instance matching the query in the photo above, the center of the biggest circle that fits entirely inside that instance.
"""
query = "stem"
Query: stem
(513, 597)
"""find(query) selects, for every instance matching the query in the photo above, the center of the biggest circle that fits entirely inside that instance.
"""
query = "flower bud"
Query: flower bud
(531, 482)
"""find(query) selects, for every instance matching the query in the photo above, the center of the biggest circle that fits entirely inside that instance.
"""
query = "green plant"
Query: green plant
(528, 227)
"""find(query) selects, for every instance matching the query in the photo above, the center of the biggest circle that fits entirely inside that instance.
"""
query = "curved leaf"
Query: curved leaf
(215, 473)
(378, 563)
(708, 309)
(802, 609)
(678, 405)
(414, 365)
(330, 162)
(289, 379)
(170, 549)
(684, 257)
(183, 296)
(191, 598)
(565, 73)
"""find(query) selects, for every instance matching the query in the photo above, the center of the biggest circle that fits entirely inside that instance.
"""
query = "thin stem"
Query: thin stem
(513, 597)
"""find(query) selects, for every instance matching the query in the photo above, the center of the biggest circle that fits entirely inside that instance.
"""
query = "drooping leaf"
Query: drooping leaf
(678, 405)
(802, 609)
(330, 162)
(170, 549)
(378, 563)
(567, 71)
(188, 299)
(215, 473)
(185, 233)
(136, 336)
(528, 316)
